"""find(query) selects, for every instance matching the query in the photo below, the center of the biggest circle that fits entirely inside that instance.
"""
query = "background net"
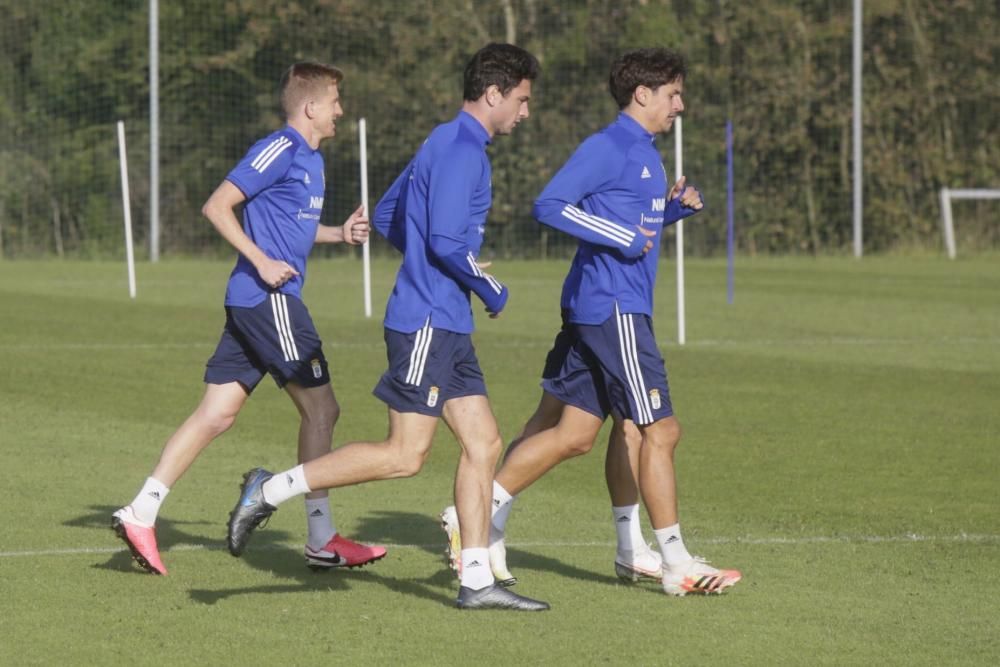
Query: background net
(780, 71)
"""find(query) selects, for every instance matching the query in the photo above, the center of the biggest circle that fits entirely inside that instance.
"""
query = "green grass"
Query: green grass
(842, 424)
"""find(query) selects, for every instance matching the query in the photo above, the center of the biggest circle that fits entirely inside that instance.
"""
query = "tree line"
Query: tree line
(780, 71)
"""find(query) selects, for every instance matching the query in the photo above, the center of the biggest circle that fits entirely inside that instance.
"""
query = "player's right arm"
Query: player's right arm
(452, 183)
(265, 164)
(219, 210)
(384, 219)
(587, 171)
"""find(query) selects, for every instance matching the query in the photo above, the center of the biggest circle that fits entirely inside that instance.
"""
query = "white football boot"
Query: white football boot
(643, 563)
(697, 576)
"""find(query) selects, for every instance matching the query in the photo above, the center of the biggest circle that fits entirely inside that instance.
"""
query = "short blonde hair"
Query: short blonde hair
(304, 80)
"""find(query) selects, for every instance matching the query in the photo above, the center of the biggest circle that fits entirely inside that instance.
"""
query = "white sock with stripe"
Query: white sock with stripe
(672, 546)
(285, 485)
(476, 573)
(502, 503)
(147, 502)
(320, 521)
(628, 529)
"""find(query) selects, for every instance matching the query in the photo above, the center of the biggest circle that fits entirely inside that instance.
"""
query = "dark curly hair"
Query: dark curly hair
(644, 67)
(500, 65)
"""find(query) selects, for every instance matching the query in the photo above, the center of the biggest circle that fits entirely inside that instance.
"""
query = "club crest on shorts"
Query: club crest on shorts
(654, 398)
(317, 368)
(432, 397)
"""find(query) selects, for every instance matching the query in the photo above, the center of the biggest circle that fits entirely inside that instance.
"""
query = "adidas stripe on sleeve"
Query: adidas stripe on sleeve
(265, 164)
(583, 174)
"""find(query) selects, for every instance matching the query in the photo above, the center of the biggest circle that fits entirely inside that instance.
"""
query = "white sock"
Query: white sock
(320, 520)
(672, 546)
(285, 485)
(147, 502)
(502, 503)
(476, 573)
(628, 528)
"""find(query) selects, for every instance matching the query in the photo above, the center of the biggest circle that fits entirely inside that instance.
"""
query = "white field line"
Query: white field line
(792, 541)
(545, 343)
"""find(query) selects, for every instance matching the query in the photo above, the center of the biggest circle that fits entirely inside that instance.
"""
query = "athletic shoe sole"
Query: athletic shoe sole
(496, 597)
(632, 574)
(318, 564)
(706, 584)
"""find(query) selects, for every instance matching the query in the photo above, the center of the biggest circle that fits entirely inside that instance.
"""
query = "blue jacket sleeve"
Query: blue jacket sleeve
(586, 172)
(452, 184)
(675, 210)
(387, 218)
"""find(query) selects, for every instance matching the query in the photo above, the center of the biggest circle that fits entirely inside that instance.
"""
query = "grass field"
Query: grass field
(842, 448)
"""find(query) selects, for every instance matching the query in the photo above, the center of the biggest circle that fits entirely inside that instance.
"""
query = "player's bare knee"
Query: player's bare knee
(329, 415)
(577, 445)
(629, 434)
(574, 441)
(675, 432)
(410, 463)
(214, 421)
(491, 449)
(333, 415)
(664, 435)
(408, 458)
(483, 453)
(322, 417)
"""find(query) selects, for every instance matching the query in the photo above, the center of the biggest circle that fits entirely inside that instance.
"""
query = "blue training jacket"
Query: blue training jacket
(613, 184)
(435, 214)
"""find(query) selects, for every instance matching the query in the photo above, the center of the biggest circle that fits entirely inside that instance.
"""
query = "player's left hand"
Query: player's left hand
(689, 196)
(356, 227)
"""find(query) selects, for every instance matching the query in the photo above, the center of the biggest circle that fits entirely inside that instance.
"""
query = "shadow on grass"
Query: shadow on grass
(170, 535)
(425, 533)
(519, 560)
(284, 562)
(419, 530)
(270, 553)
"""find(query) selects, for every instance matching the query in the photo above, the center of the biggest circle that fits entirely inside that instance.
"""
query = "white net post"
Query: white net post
(365, 249)
(126, 209)
(947, 225)
(947, 222)
(858, 176)
(679, 226)
(154, 131)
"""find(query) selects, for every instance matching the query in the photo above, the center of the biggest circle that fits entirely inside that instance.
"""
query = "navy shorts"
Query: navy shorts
(560, 348)
(614, 367)
(277, 337)
(427, 368)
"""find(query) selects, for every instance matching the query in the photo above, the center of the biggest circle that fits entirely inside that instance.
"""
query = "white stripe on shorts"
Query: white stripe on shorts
(418, 357)
(633, 370)
(279, 307)
(288, 328)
